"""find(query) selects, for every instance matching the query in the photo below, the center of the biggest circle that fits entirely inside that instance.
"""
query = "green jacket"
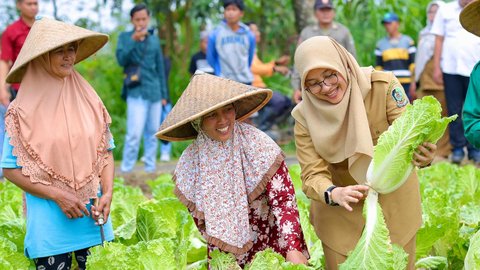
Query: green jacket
(471, 108)
(149, 55)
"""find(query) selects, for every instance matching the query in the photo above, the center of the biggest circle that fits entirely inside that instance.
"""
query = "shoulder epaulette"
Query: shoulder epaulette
(382, 76)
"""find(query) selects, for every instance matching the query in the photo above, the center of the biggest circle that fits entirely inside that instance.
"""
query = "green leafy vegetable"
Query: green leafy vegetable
(223, 261)
(390, 167)
(432, 262)
(393, 154)
(472, 260)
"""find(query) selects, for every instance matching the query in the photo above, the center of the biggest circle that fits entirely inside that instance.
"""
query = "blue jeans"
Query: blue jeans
(455, 92)
(165, 146)
(3, 110)
(143, 117)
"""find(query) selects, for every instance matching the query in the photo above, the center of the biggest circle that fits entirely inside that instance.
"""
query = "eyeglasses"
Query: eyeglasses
(316, 87)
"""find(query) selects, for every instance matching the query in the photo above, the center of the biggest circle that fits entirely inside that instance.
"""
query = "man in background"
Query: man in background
(456, 53)
(396, 53)
(231, 45)
(199, 60)
(140, 47)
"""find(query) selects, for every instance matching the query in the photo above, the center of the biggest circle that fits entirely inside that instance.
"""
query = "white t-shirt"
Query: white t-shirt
(461, 49)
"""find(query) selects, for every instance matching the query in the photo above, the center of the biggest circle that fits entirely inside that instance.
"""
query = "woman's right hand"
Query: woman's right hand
(349, 194)
(71, 206)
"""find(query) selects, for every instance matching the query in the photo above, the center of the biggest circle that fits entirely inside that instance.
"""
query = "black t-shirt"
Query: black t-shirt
(199, 62)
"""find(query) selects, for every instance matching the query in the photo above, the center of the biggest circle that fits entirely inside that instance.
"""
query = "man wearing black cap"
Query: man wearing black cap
(231, 45)
(326, 26)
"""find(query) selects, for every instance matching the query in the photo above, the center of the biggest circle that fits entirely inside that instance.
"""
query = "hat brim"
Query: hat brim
(47, 35)
(245, 105)
(470, 17)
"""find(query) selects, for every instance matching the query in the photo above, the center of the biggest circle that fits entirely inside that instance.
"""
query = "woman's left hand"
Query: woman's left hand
(424, 154)
(296, 257)
(103, 207)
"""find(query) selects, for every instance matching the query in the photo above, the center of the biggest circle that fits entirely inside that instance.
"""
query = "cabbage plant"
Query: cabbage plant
(389, 169)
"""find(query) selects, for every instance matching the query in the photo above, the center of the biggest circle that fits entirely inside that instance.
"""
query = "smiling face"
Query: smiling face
(333, 93)
(218, 125)
(62, 60)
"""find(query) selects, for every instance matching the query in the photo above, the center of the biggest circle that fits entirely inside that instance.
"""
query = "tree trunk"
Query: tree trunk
(55, 9)
(303, 13)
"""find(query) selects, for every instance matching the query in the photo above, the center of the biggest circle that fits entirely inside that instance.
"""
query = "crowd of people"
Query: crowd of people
(338, 108)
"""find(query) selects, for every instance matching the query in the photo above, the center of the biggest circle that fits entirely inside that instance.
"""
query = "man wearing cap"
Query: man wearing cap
(396, 53)
(12, 41)
(326, 26)
(231, 45)
(199, 60)
(469, 17)
(456, 53)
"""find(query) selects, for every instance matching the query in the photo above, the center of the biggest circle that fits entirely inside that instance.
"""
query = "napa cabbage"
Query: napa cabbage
(389, 169)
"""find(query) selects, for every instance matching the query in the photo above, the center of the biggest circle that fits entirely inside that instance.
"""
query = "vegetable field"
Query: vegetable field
(158, 232)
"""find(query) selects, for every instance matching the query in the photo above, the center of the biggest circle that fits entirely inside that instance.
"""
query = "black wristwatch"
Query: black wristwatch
(328, 196)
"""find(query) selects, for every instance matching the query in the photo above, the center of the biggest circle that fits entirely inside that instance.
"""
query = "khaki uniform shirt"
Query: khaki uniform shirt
(336, 227)
(426, 78)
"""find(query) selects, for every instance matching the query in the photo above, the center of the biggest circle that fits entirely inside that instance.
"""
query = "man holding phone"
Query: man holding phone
(140, 49)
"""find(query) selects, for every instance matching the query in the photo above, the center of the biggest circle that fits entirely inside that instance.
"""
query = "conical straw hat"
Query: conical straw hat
(48, 34)
(470, 17)
(206, 93)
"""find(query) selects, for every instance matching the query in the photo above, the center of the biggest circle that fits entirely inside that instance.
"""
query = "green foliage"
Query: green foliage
(12, 228)
(432, 262)
(223, 261)
(11, 257)
(393, 154)
(124, 210)
(162, 187)
(450, 212)
(472, 260)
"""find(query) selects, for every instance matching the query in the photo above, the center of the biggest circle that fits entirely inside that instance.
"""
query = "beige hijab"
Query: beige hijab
(338, 131)
(59, 130)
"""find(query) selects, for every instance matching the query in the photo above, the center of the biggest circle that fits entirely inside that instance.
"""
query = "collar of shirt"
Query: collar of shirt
(316, 27)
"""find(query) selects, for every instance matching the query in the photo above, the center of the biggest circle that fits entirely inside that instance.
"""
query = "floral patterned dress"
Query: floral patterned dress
(274, 219)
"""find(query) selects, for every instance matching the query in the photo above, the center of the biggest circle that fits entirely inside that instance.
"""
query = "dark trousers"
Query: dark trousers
(406, 88)
(274, 112)
(63, 261)
(455, 92)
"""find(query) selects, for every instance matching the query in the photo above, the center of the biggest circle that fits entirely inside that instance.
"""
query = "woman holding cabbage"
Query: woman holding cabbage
(344, 110)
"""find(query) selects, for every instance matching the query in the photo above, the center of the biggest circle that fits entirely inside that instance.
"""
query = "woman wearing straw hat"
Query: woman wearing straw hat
(344, 110)
(57, 145)
(233, 177)
(470, 18)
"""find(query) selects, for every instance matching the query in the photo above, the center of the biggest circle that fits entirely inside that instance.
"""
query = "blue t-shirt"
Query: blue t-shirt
(49, 230)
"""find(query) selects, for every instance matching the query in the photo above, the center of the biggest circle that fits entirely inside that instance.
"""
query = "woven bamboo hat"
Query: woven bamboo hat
(48, 34)
(470, 17)
(206, 93)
